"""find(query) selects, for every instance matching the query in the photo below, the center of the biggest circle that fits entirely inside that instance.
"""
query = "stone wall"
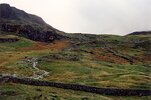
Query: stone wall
(104, 91)
(2, 40)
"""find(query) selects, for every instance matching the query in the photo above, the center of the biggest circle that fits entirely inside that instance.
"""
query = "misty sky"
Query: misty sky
(91, 16)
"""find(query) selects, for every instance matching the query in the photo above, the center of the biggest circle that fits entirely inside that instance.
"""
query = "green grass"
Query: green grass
(86, 69)
(11, 46)
(24, 92)
(19, 44)
(98, 74)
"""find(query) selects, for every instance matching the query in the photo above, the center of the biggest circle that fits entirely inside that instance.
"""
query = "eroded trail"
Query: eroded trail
(34, 65)
(36, 71)
(34, 80)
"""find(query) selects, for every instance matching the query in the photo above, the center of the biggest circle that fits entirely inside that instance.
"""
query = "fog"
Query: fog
(91, 16)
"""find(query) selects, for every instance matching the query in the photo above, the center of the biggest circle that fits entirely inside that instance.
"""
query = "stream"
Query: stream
(37, 74)
(34, 65)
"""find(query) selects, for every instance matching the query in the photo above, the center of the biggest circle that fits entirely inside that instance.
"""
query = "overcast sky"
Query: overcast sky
(90, 16)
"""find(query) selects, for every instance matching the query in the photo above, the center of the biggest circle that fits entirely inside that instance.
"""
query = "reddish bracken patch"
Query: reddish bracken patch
(57, 45)
(103, 55)
(145, 58)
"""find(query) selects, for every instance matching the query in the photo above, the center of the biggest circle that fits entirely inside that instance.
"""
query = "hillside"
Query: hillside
(11, 13)
(141, 33)
(26, 25)
(41, 52)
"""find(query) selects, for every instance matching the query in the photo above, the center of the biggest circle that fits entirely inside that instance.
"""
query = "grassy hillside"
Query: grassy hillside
(30, 48)
(24, 92)
(95, 60)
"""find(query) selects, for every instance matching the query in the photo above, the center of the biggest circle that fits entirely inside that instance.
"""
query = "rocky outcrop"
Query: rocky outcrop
(104, 91)
(2, 40)
(35, 33)
(26, 25)
(141, 33)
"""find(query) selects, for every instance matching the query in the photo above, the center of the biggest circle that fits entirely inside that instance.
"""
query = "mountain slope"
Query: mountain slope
(26, 25)
(103, 61)
(141, 33)
(12, 13)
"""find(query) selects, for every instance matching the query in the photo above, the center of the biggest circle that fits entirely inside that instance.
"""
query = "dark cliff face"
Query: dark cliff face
(8, 40)
(35, 33)
(26, 25)
(6, 12)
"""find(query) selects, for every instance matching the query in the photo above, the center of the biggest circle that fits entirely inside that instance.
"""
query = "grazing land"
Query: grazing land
(30, 48)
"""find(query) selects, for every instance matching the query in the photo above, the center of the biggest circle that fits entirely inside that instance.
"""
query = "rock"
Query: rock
(8, 40)
(141, 33)
(26, 25)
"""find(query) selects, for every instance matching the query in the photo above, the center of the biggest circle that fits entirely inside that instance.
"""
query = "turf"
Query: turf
(101, 61)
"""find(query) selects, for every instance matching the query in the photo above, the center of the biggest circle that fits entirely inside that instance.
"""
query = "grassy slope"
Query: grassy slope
(24, 92)
(80, 61)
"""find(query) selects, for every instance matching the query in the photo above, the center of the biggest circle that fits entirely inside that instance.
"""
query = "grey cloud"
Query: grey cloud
(91, 16)
(116, 16)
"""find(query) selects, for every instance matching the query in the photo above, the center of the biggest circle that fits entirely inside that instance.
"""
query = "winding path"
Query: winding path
(34, 80)
(34, 65)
